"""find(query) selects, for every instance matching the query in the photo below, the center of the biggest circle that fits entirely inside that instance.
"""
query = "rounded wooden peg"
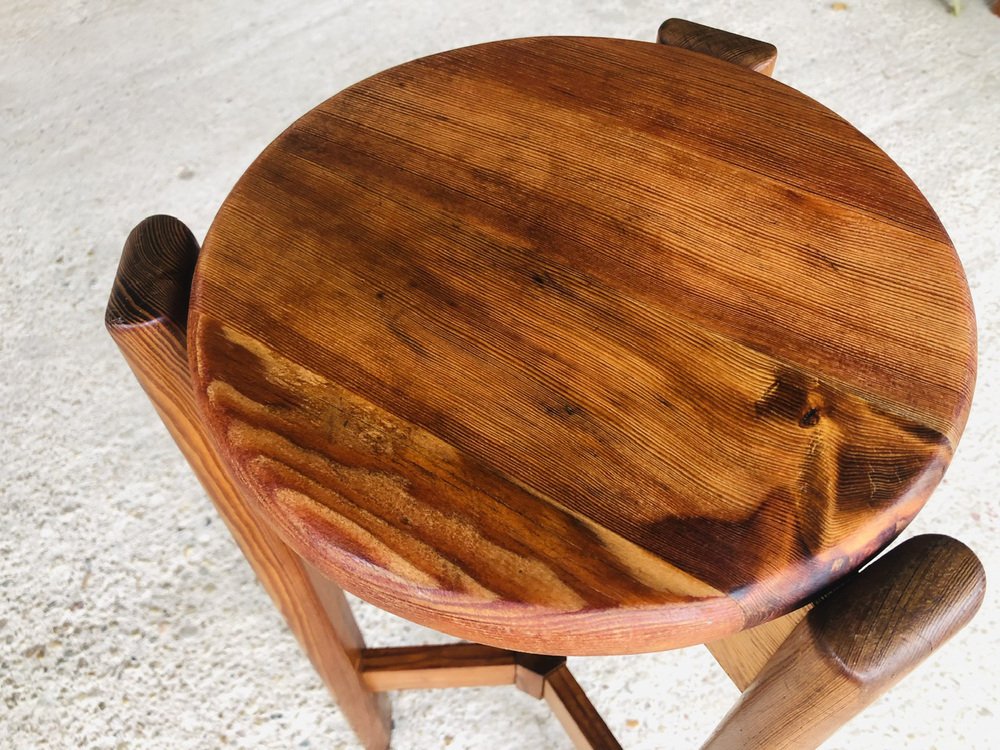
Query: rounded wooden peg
(739, 50)
(154, 274)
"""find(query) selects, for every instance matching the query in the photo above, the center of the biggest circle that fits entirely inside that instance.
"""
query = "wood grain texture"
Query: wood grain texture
(146, 316)
(474, 665)
(855, 644)
(581, 346)
(450, 665)
(754, 55)
(742, 655)
(576, 713)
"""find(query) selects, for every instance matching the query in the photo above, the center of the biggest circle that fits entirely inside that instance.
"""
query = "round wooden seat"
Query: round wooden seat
(581, 346)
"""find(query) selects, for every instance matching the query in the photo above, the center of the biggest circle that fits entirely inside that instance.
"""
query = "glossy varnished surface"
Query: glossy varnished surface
(581, 346)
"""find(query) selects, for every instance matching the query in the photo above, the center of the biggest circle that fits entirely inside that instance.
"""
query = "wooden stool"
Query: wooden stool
(576, 346)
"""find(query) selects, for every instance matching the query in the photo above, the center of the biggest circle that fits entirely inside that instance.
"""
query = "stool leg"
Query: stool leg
(147, 318)
(855, 644)
(576, 713)
(742, 655)
(739, 50)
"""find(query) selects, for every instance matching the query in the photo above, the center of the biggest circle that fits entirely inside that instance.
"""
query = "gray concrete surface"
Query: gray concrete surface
(127, 617)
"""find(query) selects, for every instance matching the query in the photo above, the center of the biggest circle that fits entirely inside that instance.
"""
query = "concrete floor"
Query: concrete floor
(127, 617)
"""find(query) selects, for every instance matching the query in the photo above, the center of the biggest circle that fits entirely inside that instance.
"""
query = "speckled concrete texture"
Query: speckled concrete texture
(127, 616)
